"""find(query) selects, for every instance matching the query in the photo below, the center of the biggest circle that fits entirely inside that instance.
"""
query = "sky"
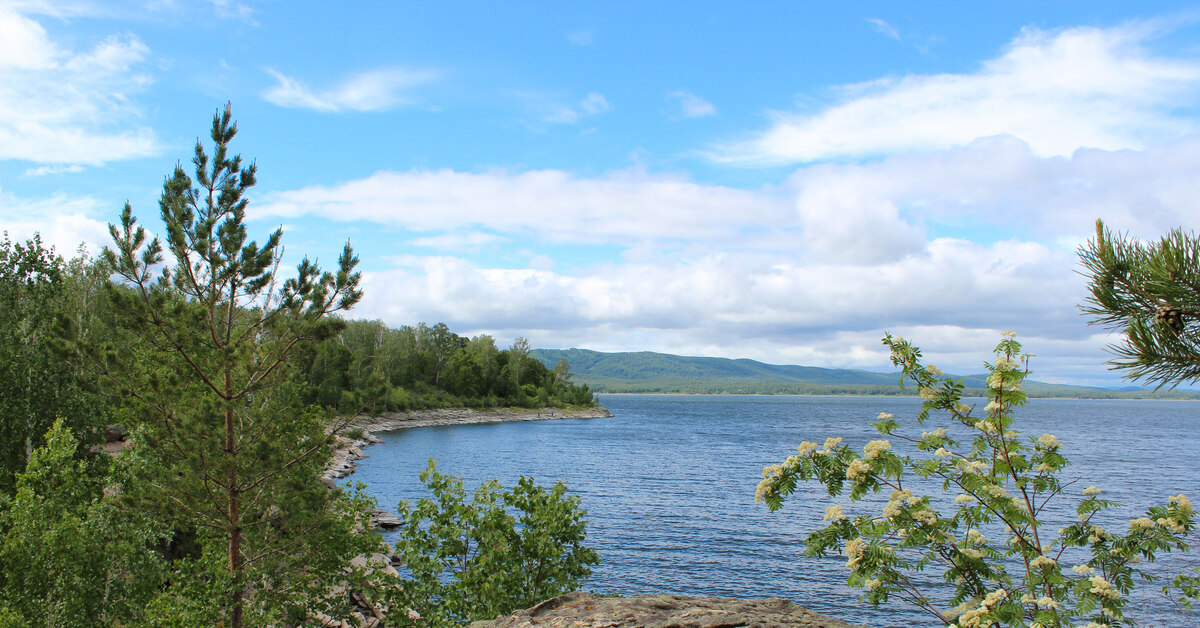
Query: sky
(781, 181)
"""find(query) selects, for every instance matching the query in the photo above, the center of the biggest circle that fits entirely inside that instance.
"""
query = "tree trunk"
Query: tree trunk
(235, 522)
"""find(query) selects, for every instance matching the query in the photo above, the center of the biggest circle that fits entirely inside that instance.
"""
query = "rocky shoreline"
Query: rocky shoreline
(585, 610)
(347, 451)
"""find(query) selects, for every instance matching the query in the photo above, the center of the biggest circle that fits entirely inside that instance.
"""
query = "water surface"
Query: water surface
(669, 483)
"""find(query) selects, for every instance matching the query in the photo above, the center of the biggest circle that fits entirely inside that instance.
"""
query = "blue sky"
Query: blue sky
(775, 180)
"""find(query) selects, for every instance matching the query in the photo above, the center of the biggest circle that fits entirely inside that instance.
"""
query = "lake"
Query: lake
(668, 483)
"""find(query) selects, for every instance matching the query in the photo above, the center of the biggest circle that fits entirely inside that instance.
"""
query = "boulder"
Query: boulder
(584, 610)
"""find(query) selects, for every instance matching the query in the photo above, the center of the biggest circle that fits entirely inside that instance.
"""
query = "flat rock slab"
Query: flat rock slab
(584, 610)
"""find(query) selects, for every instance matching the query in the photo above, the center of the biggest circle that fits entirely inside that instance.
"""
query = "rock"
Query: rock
(584, 610)
(384, 519)
(114, 433)
(329, 482)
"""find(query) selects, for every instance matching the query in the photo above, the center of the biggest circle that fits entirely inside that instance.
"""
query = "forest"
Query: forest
(371, 367)
(169, 407)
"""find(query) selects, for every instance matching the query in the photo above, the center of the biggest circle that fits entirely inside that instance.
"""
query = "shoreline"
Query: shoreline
(439, 417)
(347, 451)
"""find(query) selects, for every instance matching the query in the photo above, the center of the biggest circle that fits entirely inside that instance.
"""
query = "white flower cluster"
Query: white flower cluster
(1141, 523)
(767, 486)
(854, 551)
(858, 470)
(1043, 562)
(938, 433)
(835, 513)
(883, 416)
(972, 466)
(973, 618)
(927, 393)
(806, 448)
(872, 449)
(986, 427)
(1083, 570)
(1049, 441)
(1091, 490)
(830, 443)
(933, 370)
(1103, 588)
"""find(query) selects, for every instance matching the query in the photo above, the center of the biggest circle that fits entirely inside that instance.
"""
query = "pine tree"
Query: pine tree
(223, 444)
(1150, 293)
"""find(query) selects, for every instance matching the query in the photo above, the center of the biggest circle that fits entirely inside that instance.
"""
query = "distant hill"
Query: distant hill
(649, 372)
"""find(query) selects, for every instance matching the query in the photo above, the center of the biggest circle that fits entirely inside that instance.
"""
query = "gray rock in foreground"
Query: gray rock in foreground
(584, 610)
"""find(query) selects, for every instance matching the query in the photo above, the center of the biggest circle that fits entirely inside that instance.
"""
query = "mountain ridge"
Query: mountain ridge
(652, 372)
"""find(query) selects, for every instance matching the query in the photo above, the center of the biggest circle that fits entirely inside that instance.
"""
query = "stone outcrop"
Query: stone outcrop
(584, 610)
(470, 416)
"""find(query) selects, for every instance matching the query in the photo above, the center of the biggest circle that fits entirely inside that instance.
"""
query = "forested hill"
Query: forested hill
(648, 372)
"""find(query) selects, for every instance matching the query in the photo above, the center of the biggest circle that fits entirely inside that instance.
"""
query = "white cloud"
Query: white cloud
(375, 90)
(59, 106)
(1057, 91)
(561, 113)
(948, 247)
(458, 241)
(733, 305)
(63, 221)
(618, 208)
(691, 105)
(580, 38)
(49, 170)
(233, 10)
(883, 28)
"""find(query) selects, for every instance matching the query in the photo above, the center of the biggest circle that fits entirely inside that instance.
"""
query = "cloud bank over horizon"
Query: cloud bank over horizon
(570, 199)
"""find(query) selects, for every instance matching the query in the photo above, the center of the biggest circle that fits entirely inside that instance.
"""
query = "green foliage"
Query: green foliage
(1150, 293)
(472, 559)
(1003, 482)
(224, 444)
(369, 367)
(37, 288)
(73, 554)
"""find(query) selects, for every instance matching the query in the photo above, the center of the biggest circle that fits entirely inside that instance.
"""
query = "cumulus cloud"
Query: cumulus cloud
(1056, 91)
(621, 208)
(691, 105)
(375, 90)
(63, 221)
(61, 106)
(948, 247)
(735, 305)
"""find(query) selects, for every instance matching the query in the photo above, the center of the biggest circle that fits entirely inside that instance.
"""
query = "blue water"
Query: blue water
(668, 483)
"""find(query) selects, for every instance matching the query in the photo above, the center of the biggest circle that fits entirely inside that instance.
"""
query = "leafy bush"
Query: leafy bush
(471, 560)
(1004, 482)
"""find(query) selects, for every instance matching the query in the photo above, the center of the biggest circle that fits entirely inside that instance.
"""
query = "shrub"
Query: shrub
(472, 559)
(1003, 481)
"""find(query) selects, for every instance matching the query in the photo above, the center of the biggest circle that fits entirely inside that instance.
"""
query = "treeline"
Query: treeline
(371, 367)
(737, 387)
